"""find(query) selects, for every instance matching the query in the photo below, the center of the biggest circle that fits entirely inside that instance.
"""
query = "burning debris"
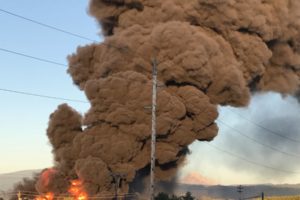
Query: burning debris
(209, 53)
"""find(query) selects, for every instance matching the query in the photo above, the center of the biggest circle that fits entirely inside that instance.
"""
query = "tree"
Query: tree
(175, 198)
(162, 196)
(188, 196)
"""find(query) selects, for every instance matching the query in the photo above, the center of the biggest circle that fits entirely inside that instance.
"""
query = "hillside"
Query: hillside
(9, 179)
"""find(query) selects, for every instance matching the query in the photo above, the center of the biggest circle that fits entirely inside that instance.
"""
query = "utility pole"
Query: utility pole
(117, 177)
(19, 195)
(240, 190)
(262, 196)
(153, 127)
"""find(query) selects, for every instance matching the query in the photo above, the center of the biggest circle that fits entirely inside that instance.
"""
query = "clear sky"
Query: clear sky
(250, 148)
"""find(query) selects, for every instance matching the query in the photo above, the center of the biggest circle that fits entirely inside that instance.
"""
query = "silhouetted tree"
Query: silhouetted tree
(162, 196)
(175, 197)
(188, 196)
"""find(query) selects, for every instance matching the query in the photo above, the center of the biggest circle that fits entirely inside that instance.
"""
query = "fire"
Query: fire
(45, 176)
(44, 181)
(47, 196)
(77, 191)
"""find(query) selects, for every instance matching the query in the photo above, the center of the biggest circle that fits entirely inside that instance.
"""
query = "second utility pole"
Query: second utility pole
(153, 128)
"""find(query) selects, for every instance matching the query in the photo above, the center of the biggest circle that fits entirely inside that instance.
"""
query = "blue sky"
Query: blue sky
(23, 142)
(23, 118)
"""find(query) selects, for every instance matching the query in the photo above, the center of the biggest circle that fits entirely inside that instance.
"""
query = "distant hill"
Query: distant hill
(230, 192)
(8, 180)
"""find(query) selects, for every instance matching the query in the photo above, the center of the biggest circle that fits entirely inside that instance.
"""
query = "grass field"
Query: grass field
(283, 198)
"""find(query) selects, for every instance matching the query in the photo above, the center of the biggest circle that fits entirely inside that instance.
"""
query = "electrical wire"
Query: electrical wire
(121, 49)
(42, 96)
(32, 57)
(46, 25)
(266, 129)
(35, 194)
(252, 162)
(256, 141)
(63, 31)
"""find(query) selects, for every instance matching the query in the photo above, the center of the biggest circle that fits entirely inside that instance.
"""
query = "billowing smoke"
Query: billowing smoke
(209, 53)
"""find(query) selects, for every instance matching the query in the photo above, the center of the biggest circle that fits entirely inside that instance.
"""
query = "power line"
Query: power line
(252, 162)
(46, 25)
(54, 62)
(256, 141)
(65, 31)
(41, 95)
(57, 63)
(61, 64)
(35, 194)
(58, 29)
(121, 49)
(266, 129)
(33, 57)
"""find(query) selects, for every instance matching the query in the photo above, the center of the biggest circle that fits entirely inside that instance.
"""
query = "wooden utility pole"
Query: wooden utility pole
(240, 190)
(117, 177)
(153, 128)
(19, 195)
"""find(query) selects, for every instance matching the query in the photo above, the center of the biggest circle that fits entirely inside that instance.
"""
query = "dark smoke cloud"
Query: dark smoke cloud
(209, 53)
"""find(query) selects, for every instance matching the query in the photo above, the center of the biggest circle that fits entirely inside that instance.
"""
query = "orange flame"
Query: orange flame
(47, 196)
(77, 191)
(44, 180)
(45, 176)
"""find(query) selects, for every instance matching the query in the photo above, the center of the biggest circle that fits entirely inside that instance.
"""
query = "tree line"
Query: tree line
(164, 196)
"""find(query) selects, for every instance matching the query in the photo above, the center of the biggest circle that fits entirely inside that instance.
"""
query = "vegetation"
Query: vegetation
(283, 198)
(188, 196)
(164, 196)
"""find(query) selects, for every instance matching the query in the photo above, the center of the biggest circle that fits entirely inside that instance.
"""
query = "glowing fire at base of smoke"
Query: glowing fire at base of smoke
(47, 196)
(76, 192)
